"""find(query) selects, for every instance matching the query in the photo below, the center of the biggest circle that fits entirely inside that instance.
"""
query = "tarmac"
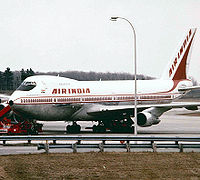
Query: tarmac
(174, 123)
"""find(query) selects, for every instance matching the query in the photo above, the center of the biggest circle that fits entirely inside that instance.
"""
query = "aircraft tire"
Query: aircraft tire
(94, 128)
(78, 128)
(133, 129)
(73, 129)
(122, 129)
(99, 129)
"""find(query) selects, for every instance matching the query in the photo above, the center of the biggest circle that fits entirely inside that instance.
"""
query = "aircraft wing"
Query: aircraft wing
(129, 108)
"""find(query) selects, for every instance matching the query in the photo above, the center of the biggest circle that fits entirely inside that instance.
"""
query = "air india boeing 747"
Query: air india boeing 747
(110, 103)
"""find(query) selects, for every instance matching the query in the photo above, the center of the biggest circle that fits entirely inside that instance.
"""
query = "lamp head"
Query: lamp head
(114, 18)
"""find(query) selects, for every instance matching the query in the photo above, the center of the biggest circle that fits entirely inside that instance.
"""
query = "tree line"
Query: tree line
(10, 80)
(95, 76)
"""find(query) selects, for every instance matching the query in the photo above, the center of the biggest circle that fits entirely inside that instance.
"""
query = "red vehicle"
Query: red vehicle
(10, 124)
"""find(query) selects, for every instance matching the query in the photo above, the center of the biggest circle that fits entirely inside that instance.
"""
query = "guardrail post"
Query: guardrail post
(4, 142)
(40, 146)
(101, 147)
(128, 146)
(154, 146)
(74, 146)
(46, 147)
(180, 146)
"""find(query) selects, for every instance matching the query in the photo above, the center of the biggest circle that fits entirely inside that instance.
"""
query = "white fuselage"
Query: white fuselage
(58, 98)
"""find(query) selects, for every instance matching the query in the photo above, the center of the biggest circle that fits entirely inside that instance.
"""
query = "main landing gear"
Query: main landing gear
(122, 126)
(100, 128)
(116, 126)
(74, 128)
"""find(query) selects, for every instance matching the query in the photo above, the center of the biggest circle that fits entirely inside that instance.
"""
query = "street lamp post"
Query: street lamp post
(135, 99)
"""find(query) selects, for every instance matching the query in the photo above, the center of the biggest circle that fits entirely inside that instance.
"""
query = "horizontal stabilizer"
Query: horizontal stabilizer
(189, 88)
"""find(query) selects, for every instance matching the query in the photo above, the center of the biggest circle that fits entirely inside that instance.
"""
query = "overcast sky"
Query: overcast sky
(62, 35)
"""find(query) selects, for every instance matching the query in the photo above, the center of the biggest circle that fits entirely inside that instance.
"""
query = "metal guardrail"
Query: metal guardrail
(127, 142)
(95, 138)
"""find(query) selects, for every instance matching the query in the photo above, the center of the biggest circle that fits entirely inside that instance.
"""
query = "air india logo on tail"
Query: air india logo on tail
(182, 49)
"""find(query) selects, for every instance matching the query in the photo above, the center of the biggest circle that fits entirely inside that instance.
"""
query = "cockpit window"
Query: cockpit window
(26, 86)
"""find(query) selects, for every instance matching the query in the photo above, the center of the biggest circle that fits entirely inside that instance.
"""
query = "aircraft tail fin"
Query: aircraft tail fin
(177, 68)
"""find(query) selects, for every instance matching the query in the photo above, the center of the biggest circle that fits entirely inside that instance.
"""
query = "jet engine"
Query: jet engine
(145, 119)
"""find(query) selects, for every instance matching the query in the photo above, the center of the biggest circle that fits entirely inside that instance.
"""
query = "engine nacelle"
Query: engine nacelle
(145, 119)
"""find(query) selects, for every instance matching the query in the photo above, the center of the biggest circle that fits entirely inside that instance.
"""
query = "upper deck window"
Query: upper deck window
(26, 86)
